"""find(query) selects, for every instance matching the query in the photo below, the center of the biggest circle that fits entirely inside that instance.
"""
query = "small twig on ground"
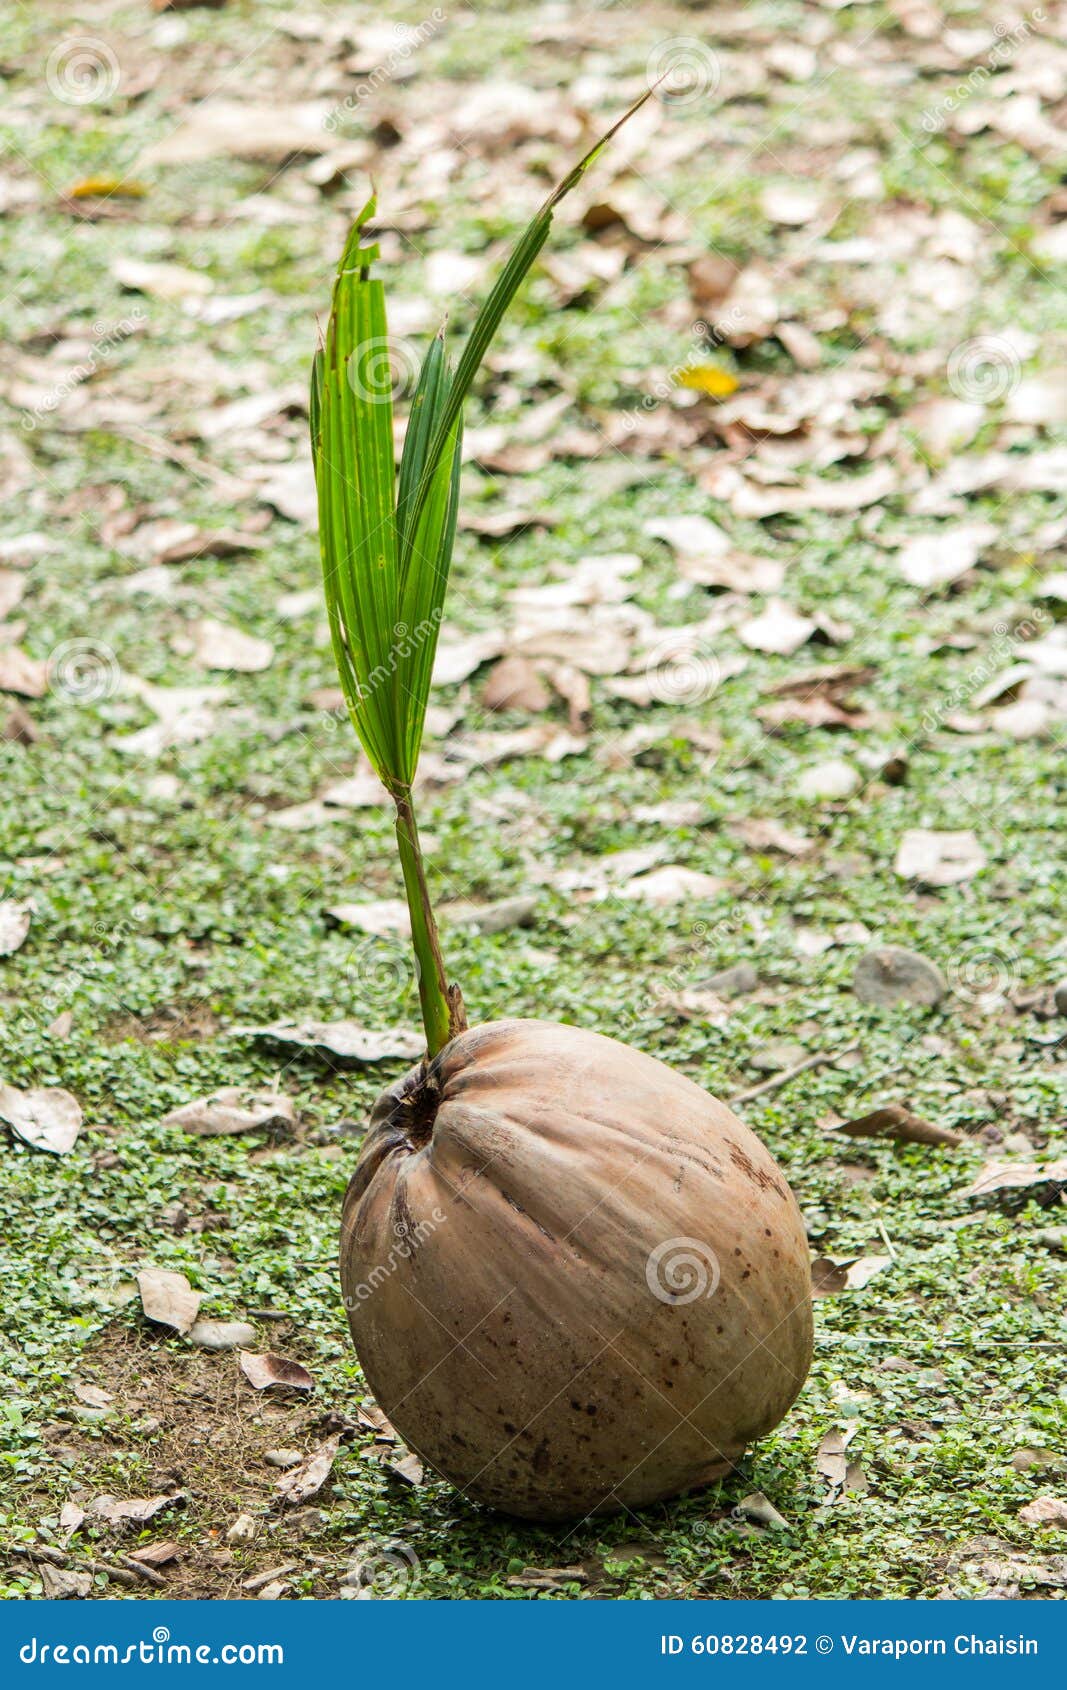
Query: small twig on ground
(787, 1074)
(128, 1573)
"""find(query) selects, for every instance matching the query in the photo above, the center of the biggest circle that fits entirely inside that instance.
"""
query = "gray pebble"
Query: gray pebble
(888, 975)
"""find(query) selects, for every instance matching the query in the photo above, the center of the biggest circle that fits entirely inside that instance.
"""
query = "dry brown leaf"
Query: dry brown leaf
(381, 917)
(831, 1275)
(156, 1554)
(233, 1109)
(778, 628)
(218, 646)
(938, 859)
(268, 133)
(672, 884)
(134, 1510)
(897, 1122)
(20, 673)
(47, 1119)
(302, 1483)
(345, 1041)
(1013, 1184)
(407, 1467)
(167, 1298)
(14, 925)
(933, 560)
(762, 833)
(514, 684)
(1045, 1511)
(170, 282)
(268, 1371)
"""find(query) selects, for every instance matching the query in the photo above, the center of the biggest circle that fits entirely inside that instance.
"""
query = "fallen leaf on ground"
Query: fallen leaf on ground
(547, 1578)
(1045, 1511)
(21, 673)
(345, 1040)
(897, 1122)
(407, 1467)
(778, 629)
(48, 1119)
(63, 1584)
(268, 133)
(831, 1460)
(672, 884)
(932, 560)
(381, 917)
(301, 1483)
(269, 1371)
(218, 646)
(831, 1275)
(134, 1510)
(167, 1298)
(14, 925)
(762, 833)
(938, 859)
(71, 1516)
(92, 1395)
(1012, 1184)
(163, 281)
(156, 1554)
(757, 1508)
(233, 1109)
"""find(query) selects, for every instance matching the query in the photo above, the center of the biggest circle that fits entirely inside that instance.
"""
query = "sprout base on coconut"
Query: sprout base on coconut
(575, 1281)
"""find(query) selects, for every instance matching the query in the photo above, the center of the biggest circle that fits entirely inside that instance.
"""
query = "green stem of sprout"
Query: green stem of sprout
(443, 1013)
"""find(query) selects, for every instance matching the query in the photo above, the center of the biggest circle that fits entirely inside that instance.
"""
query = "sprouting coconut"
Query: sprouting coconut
(575, 1281)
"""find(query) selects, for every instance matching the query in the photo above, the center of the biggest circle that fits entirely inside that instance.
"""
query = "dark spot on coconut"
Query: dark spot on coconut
(541, 1458)
(509, 1428)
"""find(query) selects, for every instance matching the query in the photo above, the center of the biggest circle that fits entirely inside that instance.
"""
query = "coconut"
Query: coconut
(576, 1282)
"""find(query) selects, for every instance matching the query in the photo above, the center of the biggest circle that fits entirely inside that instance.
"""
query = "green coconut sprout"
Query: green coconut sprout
(386, 538)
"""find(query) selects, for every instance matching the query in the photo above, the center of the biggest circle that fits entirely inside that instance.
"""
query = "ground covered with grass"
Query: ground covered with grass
(755, 661)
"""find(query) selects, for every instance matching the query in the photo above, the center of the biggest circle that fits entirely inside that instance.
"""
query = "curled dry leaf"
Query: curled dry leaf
(343, 1041)
(273, 1372)
(408, 1467)
(672, 884)
(14, 925)
(168, 1299)
(302, 1483)
(156, 1554)
(233, 1109)
(48, 1119)
(63, 1584)
(1011, 1185)
(831, 1275)
(757, 1508)
(895, 1121)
